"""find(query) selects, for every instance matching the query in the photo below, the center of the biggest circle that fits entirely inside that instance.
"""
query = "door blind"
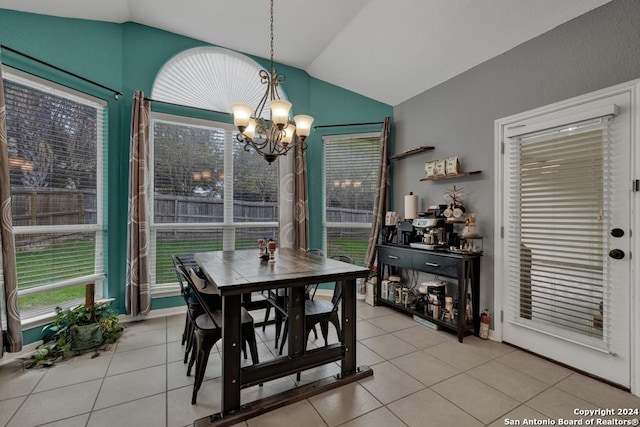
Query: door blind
(559, 206)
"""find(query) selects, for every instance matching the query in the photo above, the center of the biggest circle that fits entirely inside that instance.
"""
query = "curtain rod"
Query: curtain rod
(116, 93)
(348, 124)
(185, 106)
(228, 114)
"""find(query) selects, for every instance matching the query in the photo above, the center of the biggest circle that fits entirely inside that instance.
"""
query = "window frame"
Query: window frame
(228, 226)
(41, 317)
(333, 224)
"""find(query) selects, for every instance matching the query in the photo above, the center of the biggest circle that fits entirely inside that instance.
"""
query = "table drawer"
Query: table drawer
(397, 257)
(436, 264)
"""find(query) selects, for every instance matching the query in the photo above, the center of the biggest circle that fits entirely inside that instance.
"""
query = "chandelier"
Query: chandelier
(271, 138)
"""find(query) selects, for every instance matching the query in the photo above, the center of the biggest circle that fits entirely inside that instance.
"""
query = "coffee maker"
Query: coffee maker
(432, 230)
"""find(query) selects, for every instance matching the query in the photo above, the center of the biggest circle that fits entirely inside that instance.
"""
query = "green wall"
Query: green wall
(127, 57)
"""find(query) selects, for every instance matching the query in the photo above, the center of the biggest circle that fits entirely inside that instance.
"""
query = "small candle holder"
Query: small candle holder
(264, 253)
(271, 247)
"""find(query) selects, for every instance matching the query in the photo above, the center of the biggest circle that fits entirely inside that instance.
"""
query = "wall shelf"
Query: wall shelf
(411, 152)
(458, 175)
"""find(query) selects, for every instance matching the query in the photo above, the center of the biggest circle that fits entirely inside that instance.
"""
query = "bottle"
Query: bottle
(468, 315)
(391, 289)
(484, 325)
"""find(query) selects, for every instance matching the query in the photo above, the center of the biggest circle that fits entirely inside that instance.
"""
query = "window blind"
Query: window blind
(55, 147)
(559, 217)
(209, 193)
(351, 165)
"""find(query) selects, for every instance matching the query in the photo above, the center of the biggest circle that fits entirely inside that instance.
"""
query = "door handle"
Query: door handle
(393, 257)
(616, 253)
(617, 232)
(432, 264)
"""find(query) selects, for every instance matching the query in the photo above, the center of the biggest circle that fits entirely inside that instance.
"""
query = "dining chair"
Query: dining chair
(207, 330)
(278, 300)
(323, 312)
(188, 262)
(193, 306)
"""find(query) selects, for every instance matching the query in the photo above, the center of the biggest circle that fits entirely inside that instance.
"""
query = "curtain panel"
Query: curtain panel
(294, 203)
(10, 327)
(301, 200)
(138, 292)
(382, 202)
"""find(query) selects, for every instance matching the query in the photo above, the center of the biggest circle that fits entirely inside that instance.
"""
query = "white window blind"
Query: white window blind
(558, 217)
(209, 193)
(55, 146)
(350, 182)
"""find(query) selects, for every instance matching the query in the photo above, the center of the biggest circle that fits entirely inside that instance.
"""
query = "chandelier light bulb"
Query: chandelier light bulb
(280, 112)
(287, 134)
(250, 130)
(303, 124)
(241, 115)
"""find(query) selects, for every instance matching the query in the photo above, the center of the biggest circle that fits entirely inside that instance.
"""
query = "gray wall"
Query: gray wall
(594, 51)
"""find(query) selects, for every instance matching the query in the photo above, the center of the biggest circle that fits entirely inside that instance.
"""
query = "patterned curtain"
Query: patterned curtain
(138, 296)
(381, 204)
(10, 328)
(294, 216)
(301, 200)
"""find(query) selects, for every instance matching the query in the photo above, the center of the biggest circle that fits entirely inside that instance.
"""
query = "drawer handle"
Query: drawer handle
(393, 257)
(432, 264)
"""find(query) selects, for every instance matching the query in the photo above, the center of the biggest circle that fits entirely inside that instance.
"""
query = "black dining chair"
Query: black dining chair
(193, 306)
(188, 262)
(323, 312)
(278, 299)
(320, 311)
(205, 318)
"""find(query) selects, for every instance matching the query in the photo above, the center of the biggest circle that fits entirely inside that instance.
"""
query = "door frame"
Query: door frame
(633, 87)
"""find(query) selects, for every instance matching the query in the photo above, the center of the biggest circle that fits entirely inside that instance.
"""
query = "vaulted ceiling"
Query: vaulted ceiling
(388, 50)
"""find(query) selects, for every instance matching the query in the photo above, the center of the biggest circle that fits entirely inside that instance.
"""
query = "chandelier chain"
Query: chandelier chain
(271, 15)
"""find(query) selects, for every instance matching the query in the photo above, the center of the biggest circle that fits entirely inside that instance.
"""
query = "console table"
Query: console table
(465, 268)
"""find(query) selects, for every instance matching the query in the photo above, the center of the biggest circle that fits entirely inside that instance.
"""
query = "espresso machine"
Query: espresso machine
(432, 230)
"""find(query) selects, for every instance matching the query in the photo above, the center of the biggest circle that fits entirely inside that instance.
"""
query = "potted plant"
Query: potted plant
(75, 331)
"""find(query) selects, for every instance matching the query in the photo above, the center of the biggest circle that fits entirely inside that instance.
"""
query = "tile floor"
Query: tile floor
(421, 377)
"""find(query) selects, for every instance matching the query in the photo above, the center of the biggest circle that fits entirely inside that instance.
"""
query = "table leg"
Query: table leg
(349, 326)
(231, 344)
(462, 298)
(475, 292)
(296, 319)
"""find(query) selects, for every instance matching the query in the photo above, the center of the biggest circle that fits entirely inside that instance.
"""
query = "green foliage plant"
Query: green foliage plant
(59, 337)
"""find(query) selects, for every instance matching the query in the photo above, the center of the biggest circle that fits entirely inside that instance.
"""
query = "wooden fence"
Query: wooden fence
(52, 206)
(57, 206)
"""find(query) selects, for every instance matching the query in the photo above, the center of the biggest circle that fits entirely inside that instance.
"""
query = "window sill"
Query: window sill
(47, 318)
(165, 291)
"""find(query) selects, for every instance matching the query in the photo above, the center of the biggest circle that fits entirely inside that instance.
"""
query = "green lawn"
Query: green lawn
(57, 261)
(73, 258)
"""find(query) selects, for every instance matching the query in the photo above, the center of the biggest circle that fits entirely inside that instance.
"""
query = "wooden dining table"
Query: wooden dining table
(234, 274)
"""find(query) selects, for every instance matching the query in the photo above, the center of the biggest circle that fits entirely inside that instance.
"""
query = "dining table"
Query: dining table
(235, 273)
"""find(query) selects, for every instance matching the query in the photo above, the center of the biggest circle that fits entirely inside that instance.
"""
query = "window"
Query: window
(209, 192)
(56, 140)
(350, 181)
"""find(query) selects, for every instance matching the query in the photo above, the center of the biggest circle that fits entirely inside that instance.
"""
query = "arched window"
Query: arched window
(211, 78)
(209, 193)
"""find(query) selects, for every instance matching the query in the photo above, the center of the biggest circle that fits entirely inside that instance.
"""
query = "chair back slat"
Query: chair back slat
(184, 276)
(184, 287)
(338, 290)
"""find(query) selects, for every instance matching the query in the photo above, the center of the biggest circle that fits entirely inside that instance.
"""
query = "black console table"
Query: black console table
(463, 267)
